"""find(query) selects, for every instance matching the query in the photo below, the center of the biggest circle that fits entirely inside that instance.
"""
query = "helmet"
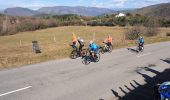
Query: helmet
(78, 38)
(91, 42)
(164, 89)
(141, 37)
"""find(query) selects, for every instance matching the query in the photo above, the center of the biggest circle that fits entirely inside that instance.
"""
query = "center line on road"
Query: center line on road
(15, 91)
(144, 55)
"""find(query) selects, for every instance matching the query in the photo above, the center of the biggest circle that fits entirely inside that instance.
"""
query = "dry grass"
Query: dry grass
(16, 50)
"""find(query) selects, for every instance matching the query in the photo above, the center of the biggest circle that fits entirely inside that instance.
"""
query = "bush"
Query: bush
(151, 31)
(121, 21)
(165, 23)
(136, 20)
(133, 33)
(151, 27)
(0, 27)
(168, 34)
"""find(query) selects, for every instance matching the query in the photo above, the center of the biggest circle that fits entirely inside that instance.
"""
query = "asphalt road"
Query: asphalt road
(71, 80)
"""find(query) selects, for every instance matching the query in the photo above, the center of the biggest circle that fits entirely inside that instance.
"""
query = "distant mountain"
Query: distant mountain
(124, 9)
(57, 10)
(18, 11)
(159, 10)
(85, 11)
(1, 11)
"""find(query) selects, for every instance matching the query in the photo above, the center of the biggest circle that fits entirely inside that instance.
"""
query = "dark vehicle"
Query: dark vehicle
(162, 91)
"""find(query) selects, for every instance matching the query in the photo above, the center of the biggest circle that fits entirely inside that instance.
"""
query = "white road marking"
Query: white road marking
(144, 55)
(15, 91)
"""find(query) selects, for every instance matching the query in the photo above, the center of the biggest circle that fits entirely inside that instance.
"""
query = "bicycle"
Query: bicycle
(140, 48)
(88, 58)
(76, 53)
(106, 48)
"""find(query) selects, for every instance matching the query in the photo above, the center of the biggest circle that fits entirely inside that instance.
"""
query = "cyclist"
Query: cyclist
(164, 90)
(140, 42)
(108, 41)
(81, 44)
(93, 48)
(74, 41)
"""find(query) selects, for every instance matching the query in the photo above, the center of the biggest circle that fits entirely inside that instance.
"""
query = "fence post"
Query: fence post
(20, 42)
(54, 38)
(94, 35)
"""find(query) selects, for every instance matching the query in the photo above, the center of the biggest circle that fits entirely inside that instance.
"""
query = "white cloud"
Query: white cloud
(34, 4)
(80, 1)
(109, 3)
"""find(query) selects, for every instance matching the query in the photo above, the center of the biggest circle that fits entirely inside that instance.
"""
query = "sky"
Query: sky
(35, 4)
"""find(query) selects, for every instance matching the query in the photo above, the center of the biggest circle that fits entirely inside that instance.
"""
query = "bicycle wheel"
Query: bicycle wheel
(86, 60)
(142, 48)
(83, 52)
(101, 50)
(97, 57)
(110, 49)
(74, 54)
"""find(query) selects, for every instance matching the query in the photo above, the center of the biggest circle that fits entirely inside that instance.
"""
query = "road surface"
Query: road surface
(71, 80)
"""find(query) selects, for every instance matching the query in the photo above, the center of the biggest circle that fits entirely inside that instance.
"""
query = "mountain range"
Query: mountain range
(158, 10)
(58, 10)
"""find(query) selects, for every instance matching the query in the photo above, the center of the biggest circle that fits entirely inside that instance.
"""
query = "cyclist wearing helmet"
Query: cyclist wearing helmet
(93, 48)
(140, 42)
(164, 90)
(81, 43)
(108, 40)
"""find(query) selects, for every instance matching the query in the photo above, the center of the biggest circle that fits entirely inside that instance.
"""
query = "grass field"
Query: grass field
(16, 50)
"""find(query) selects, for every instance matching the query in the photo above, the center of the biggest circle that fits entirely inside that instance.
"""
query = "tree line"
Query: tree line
(11, 25)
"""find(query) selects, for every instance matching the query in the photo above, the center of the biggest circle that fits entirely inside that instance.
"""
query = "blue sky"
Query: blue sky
(35, 4)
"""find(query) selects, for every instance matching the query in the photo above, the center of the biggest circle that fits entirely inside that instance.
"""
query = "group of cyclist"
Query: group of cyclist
(94, 48)
(163, 90)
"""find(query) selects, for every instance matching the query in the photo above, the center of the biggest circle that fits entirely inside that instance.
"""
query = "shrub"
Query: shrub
(133, 33)
(121, 21)
(168, 34)
(151, 27)
(151, 31)
(0, 27)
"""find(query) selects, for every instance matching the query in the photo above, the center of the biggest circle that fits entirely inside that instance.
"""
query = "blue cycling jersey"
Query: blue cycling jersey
(93, 47)
(141, 40)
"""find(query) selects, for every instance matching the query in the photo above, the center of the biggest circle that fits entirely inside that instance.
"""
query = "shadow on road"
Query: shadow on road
(166, 60)
(143, 92)
(132, 50)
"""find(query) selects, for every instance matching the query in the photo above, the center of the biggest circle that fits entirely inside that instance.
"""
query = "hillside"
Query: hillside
(85, 11)
(18, 11)
(57, 10)
(159, 10)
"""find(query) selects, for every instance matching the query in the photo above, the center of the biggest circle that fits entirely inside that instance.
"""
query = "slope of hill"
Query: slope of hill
(85, 11)
(1, 11)
(159, 10)
(18, 11)
(58, 10)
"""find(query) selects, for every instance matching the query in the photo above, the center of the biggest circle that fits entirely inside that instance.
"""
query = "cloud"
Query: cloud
(109, 3)
(143, 3)
(35, 4)
(80, 1)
